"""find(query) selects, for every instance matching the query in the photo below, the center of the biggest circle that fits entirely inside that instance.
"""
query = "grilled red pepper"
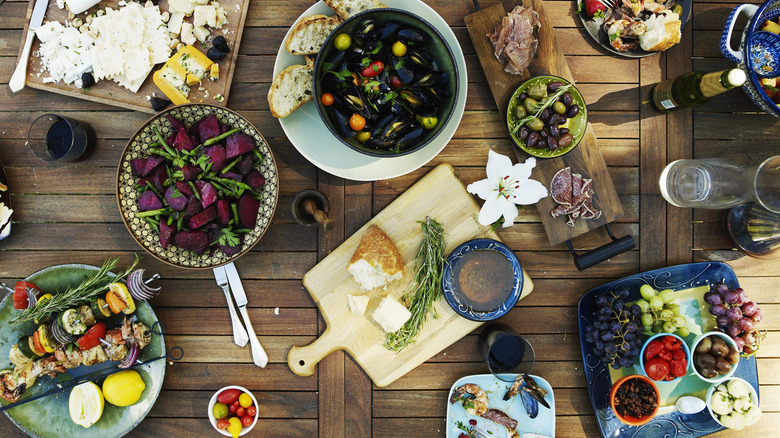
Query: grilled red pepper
(22, 295)
(92, 337)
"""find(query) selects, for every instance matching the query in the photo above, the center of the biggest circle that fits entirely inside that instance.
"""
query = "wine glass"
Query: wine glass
(508, 355)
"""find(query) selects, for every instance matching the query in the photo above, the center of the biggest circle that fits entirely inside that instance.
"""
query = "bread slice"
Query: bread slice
(663, 31)
(291, 89)
(348, 8)
(376, 261)
(309, 35)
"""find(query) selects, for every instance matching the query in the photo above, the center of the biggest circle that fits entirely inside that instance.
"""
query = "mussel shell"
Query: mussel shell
(388, 30)
(412, 35)
(419, 58)
(530, 404)
(367, 26)
(341, 122)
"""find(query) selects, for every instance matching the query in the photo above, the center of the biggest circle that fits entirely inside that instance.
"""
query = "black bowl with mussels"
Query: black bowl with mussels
(385, 82)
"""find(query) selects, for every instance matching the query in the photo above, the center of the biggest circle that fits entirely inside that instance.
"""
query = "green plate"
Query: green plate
(576, 125)
(49, 416)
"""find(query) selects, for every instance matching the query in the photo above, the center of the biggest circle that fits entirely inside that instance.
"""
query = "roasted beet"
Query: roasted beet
(193, 208)
(255, 179)
(149, 201)
(232, 175)
(208, 194)
(247, 210)
(190, 172)
(197, 241)
(203, 218)
(137, 166)
(175, 199)
(223, 212)
(230, 250)
(166, 233)
(183, 142)
(158, 178)
(176, 124)
(246, 164)
(238, 144)
(216, 154)
(208, 128)
(184, 189)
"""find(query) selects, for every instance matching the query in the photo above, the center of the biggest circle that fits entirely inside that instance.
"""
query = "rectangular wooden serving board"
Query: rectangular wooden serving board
(441, 195)
(109, 92)
(585, 159)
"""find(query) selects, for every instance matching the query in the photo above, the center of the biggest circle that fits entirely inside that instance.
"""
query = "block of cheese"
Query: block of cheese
(188, 66)
(391, 314)
(174, 23)
(358, 304)
(201, 33)
(185, 6)
(205, 15)
(186, 36)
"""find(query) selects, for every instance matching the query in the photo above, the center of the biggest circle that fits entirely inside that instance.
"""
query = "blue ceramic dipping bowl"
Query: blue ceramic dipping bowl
(684, 347)
(456, 297)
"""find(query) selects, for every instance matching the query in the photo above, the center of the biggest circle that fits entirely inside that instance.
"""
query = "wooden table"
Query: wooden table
(67, 214)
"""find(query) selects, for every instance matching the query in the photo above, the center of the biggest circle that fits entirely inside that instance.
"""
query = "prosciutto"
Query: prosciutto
(574, 196)
(513, 40)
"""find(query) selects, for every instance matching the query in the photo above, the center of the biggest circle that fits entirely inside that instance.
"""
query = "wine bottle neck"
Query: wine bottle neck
(717, 82)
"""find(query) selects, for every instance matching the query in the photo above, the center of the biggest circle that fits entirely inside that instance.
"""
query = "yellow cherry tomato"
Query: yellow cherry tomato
(235, 427)
(357, 122)
(327, 99)
(245, 400)
(399, 49)
(342, 41)
(363, 136)
(429, 122)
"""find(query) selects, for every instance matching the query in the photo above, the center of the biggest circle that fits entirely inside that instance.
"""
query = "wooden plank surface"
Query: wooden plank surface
(68, 213)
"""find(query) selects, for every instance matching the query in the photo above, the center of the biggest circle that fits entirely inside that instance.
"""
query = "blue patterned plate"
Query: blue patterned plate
(690, 282)
(455, 297)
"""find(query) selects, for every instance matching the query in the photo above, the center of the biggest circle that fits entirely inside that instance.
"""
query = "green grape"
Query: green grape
(656, 303)
(679, 321)
(647, 319)
(674, 308)
(643, 305)
(647, 291)
(658, 326)
(683, 331)
(647, 328)
(668, 327)
(667, 295)
(665, 314)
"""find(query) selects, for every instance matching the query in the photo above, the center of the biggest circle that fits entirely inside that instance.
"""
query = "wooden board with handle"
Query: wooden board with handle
(111, 93)
(441, 195)
(585, 159)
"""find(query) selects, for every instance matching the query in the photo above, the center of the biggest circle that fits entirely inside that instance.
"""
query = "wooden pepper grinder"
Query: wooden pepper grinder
(310, 208)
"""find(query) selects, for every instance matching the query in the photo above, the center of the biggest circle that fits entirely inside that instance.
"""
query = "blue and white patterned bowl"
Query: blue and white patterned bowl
(454, 295)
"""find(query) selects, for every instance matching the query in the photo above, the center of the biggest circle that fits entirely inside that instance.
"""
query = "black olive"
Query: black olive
(554, 131)
(523, 132)
(522, 97)
(533, 138)
(215, 54)
(87, 80)
(543, 132)
(567, 99)
(552, 86)
(564, 131)
(159, 104)
(220, 43)
(542, 143)
(553, 120)
(545, 114)
(573, 111)
(552, 143)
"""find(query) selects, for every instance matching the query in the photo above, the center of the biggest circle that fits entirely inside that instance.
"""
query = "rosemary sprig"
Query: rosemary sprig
(92, 287)
(545, 103)
(426, 288)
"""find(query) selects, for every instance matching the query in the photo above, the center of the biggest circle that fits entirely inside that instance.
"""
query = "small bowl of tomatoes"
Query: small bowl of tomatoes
(634, 399)
(229, 403)
(665, 357)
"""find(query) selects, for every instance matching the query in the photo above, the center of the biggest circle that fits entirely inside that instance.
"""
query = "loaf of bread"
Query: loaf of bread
(308, 36)
(376, 261)
(291, 88)
(663, 31)
(348, 8)
(391, 314)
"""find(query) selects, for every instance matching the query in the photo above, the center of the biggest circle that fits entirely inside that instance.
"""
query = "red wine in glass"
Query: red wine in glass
(59, 138)
(508, 355)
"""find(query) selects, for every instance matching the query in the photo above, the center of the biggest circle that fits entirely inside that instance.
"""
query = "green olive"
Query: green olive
(530, 104)
(677, 9)
(342, 41)
(535, 124)
(363, 136)
(520, 112)
(559, 107)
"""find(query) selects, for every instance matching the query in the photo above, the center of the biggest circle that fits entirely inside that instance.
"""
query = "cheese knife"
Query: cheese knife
(36, 20)
(239, 334)
(258, 354)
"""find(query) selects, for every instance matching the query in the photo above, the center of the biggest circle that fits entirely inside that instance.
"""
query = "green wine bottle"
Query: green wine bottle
(694, 88)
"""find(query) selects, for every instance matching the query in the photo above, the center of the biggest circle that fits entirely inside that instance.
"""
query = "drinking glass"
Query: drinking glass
(715, 183)
(53, 137)
(508, 355)
(755, 230)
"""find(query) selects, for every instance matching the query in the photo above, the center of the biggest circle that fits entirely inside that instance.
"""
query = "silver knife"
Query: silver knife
(239, 334)
(18, 79)
(258, 354)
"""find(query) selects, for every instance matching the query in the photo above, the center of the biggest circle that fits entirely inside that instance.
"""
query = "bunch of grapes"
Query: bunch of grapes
(660, 313)
(616, 332)
(736, 316)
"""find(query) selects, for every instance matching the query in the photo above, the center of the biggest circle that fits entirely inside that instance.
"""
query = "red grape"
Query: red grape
(758, 316)
(735, 313)
(741, 296)
(749, 338)
(749, 349)
(730, 296)
(747, 324)
(740, 343)
(718, 309)
(749, 308)
(733, 329)
(720, 288)
(723, 321)
(712, 298)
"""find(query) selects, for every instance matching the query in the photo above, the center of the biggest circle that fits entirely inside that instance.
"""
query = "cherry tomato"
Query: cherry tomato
(220, 411)
(327, 99)
(342, 41)
(228, 396)
(395, 82)
(251, 411)
(357, 122)
(240, 411)
(222, 424)
(245, 400)
(247, 421)
(92, 337)
(373, 69)
(399, 49)
(233, 406)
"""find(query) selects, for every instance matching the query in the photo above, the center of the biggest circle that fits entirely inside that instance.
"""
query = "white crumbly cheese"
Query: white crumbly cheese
(186, 36)
(201, 33)
(5, 214)
(358, 304)
(65, 52)
(205, 15)
(174, 24)
(185, 6)
(391, 314)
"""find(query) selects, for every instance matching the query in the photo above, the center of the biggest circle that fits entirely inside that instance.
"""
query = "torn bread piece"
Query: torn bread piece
(376, 260)
(310, 34)
(291, 88)
(348, 8)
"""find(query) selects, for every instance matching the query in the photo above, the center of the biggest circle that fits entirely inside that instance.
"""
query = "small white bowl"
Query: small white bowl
(213, 420)
(730, 342)
(711, 390)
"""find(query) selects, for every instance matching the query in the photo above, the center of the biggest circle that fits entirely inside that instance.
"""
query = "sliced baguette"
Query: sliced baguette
(309, 35)
(348, 8)
(291, 89)
(376, 260)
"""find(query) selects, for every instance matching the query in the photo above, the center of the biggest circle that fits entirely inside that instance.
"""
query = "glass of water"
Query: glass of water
(716, 183)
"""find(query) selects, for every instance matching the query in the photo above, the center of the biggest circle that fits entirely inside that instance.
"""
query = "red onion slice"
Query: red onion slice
(32, 298)
(131, 357)
(60, 335)
(138, 289)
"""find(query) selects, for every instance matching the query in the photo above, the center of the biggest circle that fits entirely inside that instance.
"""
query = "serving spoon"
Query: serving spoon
(686, 404)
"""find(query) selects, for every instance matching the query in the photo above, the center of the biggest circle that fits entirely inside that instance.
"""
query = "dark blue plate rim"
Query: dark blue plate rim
(452, 296)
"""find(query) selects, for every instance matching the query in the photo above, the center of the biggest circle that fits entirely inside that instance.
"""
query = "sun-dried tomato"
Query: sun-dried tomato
(652, 349)
(657, 368)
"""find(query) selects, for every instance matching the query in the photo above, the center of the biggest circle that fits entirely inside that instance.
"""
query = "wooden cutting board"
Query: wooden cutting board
(442, 196)
(585, 159)
(109, 92)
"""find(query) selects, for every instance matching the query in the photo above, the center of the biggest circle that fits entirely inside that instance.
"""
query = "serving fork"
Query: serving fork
(240, 336)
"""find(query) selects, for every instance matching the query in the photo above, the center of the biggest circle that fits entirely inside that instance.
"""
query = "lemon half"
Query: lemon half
(85, 404)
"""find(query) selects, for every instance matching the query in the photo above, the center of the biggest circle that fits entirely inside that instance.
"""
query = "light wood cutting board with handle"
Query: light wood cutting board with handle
(441, 195)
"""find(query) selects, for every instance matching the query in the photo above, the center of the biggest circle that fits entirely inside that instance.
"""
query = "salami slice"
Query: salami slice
(574, 194)
(560, 186)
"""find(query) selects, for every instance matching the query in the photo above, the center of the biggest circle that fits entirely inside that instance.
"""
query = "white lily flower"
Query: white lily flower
(506, 187)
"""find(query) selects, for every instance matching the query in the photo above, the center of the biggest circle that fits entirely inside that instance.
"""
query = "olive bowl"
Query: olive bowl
(435, 44)
(729, 342)
(576, 124)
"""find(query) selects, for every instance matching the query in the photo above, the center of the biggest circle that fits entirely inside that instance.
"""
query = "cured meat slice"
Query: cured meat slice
(560, 186)
(574, 196)
(576, 185)
(501, 418)
(513, 40)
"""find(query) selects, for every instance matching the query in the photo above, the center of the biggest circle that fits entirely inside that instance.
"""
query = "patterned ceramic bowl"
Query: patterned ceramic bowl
(128, 197)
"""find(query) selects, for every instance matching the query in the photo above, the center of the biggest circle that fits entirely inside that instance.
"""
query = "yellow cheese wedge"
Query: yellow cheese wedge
(187, 67)
(214, 72)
